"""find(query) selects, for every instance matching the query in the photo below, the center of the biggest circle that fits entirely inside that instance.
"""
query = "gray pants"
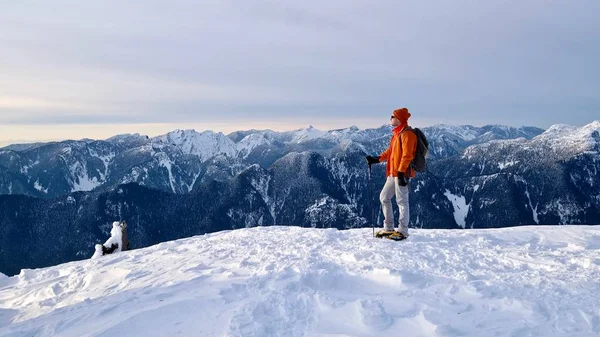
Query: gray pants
(390, 189)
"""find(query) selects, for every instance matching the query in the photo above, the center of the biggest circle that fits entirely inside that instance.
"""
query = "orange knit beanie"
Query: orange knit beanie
(402, 114)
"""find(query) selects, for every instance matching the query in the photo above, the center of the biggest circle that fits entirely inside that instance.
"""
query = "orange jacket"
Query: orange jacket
(400, 153)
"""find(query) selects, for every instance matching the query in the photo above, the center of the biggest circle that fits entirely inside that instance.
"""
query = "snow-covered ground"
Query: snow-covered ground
(289, 281)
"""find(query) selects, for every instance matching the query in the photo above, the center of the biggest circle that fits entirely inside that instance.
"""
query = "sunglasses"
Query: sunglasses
(392, 117)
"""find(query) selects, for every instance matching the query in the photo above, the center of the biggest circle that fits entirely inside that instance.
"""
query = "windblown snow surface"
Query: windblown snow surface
(289, 281)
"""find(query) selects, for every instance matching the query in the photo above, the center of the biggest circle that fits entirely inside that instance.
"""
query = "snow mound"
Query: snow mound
(289, 281)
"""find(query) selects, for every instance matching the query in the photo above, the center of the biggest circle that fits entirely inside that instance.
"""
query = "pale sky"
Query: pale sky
(74, 69)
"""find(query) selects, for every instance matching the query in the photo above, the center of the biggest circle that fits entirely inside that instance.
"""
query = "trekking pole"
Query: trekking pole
(371, 201)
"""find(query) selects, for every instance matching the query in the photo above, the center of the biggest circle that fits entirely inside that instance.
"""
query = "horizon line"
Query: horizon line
(21, 141)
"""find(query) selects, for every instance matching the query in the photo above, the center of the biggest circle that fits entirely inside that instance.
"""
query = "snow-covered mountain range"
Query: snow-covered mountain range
(176, 162)
(187, 183)
(289, 281)
(551, 178)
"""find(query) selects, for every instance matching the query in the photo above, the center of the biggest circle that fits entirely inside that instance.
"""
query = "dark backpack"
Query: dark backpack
(419, 163)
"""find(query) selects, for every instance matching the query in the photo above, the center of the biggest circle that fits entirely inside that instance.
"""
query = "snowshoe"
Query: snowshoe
(397, 236)
(384, 233)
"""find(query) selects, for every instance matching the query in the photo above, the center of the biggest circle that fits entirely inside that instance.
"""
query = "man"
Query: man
(398, 156)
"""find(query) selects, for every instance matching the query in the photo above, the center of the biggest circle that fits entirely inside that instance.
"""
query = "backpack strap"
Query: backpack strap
(408, 128)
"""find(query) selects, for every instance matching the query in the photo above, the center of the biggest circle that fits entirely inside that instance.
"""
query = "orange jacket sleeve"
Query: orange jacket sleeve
(409, 147)
(385, 155)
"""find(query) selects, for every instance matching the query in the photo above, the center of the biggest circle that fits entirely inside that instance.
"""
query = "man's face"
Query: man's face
(394, 121)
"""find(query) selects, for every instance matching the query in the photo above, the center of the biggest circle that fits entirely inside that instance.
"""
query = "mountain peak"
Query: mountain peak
(128, 138)
(595, 125)
(308, 133)
(571, 140)
(204, 145)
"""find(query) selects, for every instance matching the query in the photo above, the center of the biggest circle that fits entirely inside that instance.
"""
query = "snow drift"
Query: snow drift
(289, 281)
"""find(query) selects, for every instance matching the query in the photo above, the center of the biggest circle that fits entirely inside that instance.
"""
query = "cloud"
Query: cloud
(509, 62)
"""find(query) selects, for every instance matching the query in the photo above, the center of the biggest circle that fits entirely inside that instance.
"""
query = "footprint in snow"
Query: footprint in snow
(373, 315)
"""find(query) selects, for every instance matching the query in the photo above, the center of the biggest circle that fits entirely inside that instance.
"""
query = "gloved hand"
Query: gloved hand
(402, 180)
(372, 160)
